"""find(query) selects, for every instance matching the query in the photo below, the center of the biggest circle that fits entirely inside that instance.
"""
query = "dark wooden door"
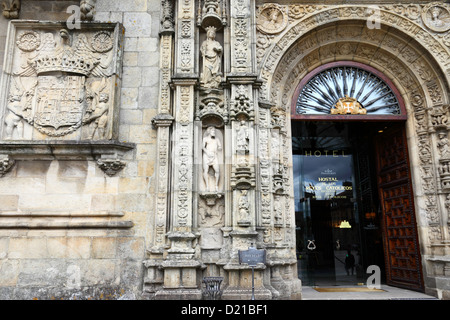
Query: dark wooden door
(401, 246)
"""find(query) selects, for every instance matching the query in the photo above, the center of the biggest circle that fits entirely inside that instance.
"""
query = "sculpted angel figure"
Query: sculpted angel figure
(212, 56)
(211, 148)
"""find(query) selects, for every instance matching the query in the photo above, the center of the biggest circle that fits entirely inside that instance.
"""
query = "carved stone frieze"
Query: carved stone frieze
(61, 84)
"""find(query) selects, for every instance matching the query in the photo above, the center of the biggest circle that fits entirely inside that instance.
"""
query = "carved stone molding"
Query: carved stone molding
(107, 154)
(6, 163)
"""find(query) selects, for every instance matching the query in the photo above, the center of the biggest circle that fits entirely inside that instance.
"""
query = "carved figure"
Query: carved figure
(99, 116)
(244, 206)
(243, 138)
(211, 148)
(212, 56)
(13, 119)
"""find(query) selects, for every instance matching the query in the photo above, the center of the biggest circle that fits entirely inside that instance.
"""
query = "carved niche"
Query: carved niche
(61, 84)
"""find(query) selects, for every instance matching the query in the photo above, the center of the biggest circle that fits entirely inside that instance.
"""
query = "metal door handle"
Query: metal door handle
(311, 245)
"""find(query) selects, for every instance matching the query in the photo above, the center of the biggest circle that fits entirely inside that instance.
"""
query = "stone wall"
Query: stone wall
(67, 229)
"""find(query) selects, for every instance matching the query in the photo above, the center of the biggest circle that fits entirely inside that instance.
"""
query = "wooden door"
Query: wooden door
(401, 246)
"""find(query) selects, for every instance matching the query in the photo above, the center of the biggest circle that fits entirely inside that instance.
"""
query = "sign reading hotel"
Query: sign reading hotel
(327, 174)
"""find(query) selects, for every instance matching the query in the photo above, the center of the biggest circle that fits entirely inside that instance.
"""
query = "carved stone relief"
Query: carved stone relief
(61, 84)
(436, 17)
(271, 18)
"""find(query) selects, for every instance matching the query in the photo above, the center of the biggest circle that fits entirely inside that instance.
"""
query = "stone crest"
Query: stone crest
(60, 82)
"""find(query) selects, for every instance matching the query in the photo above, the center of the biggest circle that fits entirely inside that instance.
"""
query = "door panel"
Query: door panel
(401, 246)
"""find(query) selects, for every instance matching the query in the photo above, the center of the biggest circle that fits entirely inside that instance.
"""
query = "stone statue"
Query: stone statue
(212, 56)
(243, 138)
(211, 148)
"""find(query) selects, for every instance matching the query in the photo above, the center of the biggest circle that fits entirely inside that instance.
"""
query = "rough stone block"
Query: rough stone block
(9, 203)
(103, 248)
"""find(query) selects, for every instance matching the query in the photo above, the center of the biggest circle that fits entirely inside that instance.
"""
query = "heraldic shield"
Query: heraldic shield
(61, 83)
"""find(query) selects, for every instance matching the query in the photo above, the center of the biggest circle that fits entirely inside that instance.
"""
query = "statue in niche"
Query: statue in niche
(244, 208)
(443, 145)
(211, 51)
(243, 138)
(211, 148)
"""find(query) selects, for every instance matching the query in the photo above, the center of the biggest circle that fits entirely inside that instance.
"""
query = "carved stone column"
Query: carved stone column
(180, 264)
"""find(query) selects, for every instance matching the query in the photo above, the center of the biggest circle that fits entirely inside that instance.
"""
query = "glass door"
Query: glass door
(327, 229)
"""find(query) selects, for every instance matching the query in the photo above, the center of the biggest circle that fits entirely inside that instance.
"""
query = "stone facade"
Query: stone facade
(144, 143)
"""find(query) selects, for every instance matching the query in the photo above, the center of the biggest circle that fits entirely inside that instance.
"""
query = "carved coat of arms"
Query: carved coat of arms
(60, 83)
(348, 105)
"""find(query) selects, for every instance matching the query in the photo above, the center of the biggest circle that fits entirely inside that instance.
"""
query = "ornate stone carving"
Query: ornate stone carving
(211, 51)
(11, 9)
(212, 214)
(6, 163)
(242, 106)
(111, 166)
(87, 8)
(243, 174)
(271, 18)
(167, 18)
(212, 13)
(212, 106)
(60, 81)
(436, 17)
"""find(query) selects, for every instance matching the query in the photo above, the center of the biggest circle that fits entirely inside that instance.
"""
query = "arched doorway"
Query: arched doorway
(354, 202)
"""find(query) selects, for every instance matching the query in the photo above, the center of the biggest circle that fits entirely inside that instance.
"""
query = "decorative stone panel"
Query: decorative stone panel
(61, 89)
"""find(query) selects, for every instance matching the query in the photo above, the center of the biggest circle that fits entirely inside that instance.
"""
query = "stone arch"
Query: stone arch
(428, 50)
(411, 57)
